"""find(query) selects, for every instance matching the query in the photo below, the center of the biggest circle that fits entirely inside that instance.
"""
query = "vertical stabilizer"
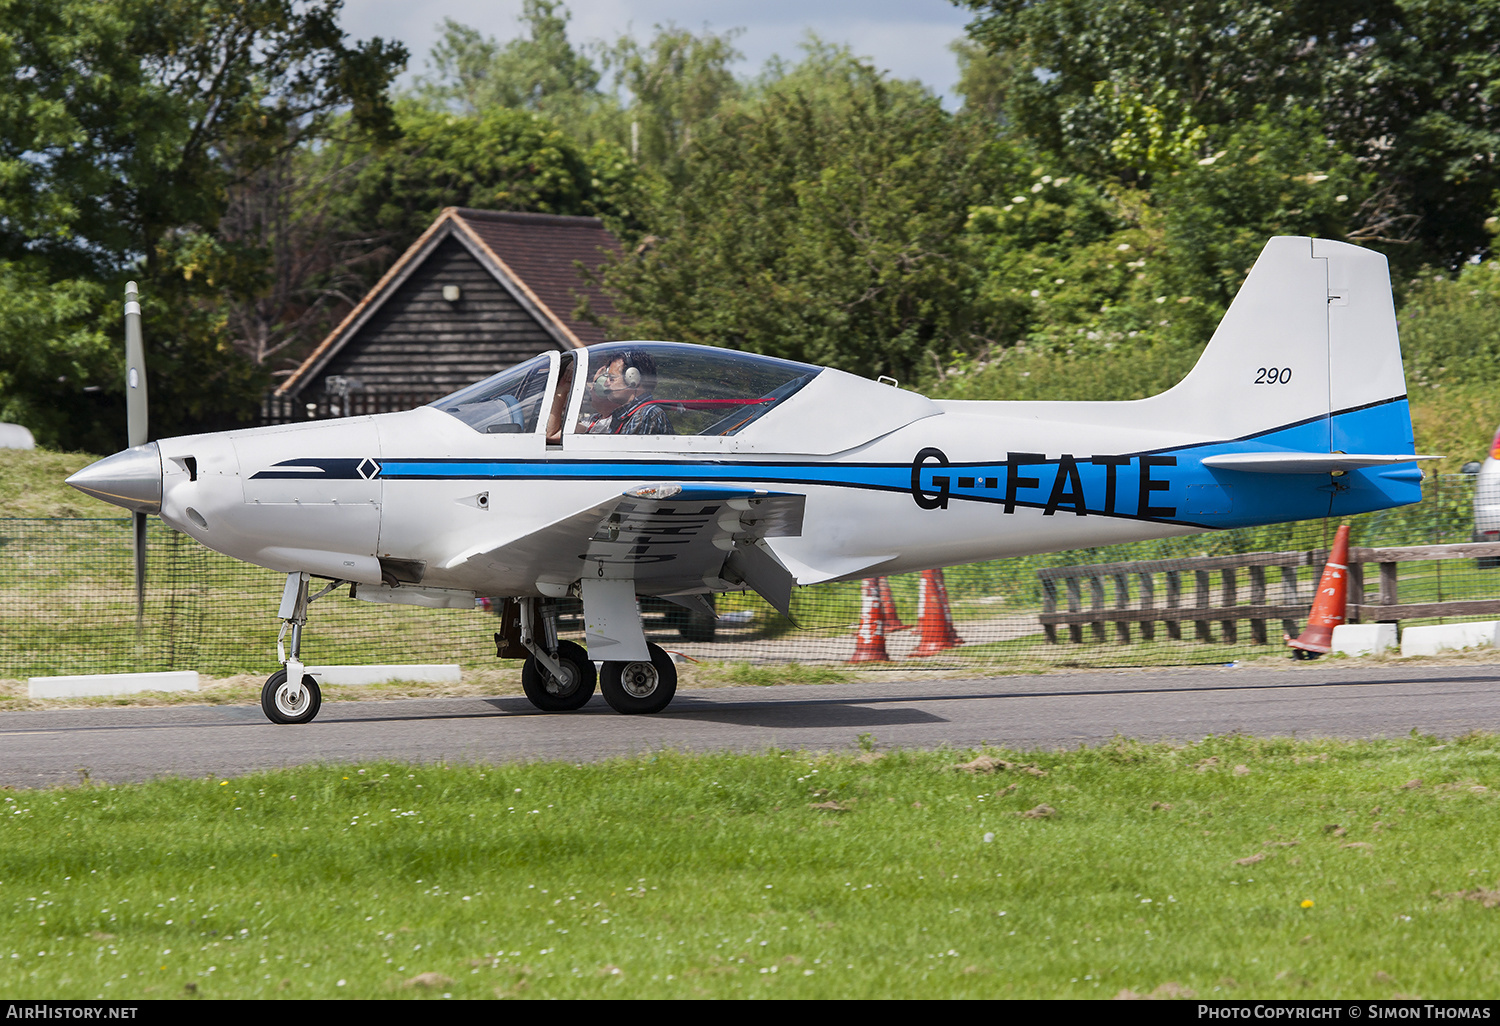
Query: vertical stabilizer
(1310, 339)
(1267, 363)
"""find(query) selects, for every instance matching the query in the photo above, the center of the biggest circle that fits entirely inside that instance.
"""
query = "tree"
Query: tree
(674, 84)
(541, 71)
(499, 159)
(123, 129)
(304, 265)
(824, 232)
(678, 84)
(1406, 87)
(983, 78)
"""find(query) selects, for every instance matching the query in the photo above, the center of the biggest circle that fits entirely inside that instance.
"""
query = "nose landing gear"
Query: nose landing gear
(290, 695)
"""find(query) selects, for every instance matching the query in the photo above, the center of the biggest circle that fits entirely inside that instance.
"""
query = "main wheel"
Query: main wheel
(640, 687)
(276, 701)
(551, 694)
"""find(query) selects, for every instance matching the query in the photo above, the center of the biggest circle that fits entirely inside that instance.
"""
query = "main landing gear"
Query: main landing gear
(640, 687)
(558, 675)
(567, 688)
(289, 694)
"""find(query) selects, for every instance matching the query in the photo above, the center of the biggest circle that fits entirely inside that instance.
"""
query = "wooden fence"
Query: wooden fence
(1271, 593)
(275, 409)
(1387, 607)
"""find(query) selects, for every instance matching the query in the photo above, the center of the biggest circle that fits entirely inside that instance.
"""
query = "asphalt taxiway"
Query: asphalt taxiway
(1052, 711)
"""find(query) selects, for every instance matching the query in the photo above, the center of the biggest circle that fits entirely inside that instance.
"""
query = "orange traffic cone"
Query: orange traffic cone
(1329, 604)
(889, 618)
(869, 641)
(934, 619)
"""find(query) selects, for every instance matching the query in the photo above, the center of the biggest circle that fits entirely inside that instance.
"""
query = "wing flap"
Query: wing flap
(664, 537)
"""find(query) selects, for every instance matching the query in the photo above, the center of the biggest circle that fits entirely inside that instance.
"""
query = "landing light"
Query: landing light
(662, 491)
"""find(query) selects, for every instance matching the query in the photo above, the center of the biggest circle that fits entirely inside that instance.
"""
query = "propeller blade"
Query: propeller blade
(135, 370)
(140, 570)
(136, 430)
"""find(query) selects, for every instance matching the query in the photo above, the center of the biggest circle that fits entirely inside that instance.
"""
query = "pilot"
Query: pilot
(622, 401)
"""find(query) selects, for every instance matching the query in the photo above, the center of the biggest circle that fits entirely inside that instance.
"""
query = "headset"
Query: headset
(632, 379)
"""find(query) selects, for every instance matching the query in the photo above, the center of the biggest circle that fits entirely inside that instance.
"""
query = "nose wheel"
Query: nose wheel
(640, 687)
(284, 704)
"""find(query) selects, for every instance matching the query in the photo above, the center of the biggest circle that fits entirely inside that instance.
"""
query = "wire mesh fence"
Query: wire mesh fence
(67, 604)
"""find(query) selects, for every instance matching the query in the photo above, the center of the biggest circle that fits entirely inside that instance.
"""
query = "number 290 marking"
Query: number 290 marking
(1273, 376)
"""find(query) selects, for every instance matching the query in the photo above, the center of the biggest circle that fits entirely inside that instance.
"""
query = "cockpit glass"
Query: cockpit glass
(506, 403)
(662, 388)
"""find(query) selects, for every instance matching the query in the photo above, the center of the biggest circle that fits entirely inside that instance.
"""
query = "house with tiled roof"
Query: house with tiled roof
(480, 291)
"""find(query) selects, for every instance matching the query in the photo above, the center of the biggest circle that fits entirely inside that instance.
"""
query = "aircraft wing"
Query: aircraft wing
(668, 538)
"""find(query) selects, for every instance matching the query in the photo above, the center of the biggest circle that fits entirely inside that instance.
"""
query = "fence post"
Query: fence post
(1174, 601)
(1148, 601)
(1258, 598)
(1049, 605)
(1201, 601)
(1096, 601)
(1289, 597)
(1230, 628)
(1075, 630)
(1356, 591)
(1388, 586)
(1122, 601)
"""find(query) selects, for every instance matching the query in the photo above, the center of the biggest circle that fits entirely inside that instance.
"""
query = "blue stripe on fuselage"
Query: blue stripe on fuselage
(1165, 486)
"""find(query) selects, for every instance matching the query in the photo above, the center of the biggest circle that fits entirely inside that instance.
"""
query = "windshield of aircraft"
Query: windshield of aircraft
(504, 403)
(663, 388)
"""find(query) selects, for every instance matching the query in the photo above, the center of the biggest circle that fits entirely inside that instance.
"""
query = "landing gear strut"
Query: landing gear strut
(289, 694)
(557, 676)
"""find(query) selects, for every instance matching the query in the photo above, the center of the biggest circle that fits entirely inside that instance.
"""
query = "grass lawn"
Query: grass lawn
(1236, 867)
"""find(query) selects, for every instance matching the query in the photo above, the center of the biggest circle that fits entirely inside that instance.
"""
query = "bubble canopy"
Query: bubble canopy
(658, 388)
(505, 403)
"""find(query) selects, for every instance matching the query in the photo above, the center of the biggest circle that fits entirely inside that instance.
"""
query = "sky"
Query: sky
(908, 38)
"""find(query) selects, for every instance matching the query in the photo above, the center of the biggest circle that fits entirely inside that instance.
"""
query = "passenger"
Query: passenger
(621, 398)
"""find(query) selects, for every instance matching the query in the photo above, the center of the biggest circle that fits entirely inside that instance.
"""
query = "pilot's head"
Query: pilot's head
(624, 379)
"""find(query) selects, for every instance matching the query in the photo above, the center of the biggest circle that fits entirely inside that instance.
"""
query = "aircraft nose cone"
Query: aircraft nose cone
(131, 478)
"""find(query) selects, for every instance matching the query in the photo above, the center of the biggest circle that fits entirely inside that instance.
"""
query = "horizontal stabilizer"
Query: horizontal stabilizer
(1305, 462)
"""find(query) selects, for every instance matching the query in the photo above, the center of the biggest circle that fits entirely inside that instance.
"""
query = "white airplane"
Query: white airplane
(658, 469)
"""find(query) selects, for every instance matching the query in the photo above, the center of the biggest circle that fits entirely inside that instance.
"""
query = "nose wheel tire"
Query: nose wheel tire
(551, 694)
(279, 706)
(640, 687)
